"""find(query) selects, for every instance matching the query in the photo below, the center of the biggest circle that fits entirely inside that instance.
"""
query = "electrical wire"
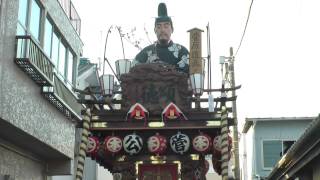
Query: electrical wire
(245, 28)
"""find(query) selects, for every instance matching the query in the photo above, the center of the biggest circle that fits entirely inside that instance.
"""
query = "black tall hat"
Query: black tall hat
(163, 14)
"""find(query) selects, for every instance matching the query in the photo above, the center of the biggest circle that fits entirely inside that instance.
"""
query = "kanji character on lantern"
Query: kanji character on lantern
(132, 144)
(180, 143)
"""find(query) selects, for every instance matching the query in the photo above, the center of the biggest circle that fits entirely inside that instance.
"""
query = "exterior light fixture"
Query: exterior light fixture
(107, 84)
(122, 67)
(197, 80)
(197, 83)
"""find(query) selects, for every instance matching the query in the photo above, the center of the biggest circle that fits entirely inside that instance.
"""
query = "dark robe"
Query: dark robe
(173, 53)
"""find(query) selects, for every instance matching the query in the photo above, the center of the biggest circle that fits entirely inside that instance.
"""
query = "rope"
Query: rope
(225, 143)
(83, 145)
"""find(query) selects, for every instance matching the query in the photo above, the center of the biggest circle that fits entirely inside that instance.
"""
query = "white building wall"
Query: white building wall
(251, 157)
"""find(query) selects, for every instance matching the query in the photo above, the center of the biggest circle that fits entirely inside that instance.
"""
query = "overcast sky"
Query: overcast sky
(277, 64)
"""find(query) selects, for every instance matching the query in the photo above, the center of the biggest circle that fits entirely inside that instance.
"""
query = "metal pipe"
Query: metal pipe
(104, 55)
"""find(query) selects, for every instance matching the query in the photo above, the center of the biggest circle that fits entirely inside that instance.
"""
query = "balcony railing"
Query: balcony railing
(75, 18)
(64, 100)
(72, 14)
(33, 61)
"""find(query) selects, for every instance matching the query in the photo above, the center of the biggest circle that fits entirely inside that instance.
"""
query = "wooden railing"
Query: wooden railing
(31, 58)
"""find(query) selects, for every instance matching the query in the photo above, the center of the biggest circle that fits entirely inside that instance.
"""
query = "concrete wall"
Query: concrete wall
(19, 164)
(21, 102)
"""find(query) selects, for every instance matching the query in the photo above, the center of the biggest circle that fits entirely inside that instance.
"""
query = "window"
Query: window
(29, 18)
(54, 45)
(286, 146)
(70, 67)
(273, 150)
(35, 20)
(55, 50)
(22, 17)
(47, 38)
(62, 60)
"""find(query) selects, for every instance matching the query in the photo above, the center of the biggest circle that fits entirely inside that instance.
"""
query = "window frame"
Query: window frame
(55, 32)
(19, 23)
(69, 51)
(62, 44)
(262, 151)
(40, 28)
(48, 18)
(26, 27)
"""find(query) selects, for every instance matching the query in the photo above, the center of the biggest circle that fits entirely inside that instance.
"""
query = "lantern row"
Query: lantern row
(157, 144)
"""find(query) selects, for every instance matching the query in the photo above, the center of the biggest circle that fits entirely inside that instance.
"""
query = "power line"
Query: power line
(245, 28)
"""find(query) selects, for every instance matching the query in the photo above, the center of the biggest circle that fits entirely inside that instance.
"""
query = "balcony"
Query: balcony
(32, 60)
(63, 99)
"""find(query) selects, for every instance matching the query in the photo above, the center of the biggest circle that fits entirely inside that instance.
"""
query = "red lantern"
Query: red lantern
(201, 143)
(157, 144)
(93, 146)
(112, 144)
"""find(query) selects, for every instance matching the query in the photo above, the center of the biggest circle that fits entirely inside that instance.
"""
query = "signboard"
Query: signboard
(155, 85)
(195, 51)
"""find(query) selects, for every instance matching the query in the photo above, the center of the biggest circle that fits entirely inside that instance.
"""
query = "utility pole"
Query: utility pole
(234, 114)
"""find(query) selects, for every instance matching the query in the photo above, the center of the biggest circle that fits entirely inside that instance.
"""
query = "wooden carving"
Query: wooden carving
(154, 86)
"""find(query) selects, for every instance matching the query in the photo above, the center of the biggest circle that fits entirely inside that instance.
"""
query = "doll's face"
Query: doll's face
(163, 31)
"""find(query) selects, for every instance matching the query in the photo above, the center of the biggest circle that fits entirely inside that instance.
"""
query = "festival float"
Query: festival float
(158, 123)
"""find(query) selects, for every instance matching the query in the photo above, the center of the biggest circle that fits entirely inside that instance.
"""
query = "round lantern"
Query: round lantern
(157, 144)
(180, 143)
(201, 143)
(132, 144)
(112, 144)
(93, 146)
